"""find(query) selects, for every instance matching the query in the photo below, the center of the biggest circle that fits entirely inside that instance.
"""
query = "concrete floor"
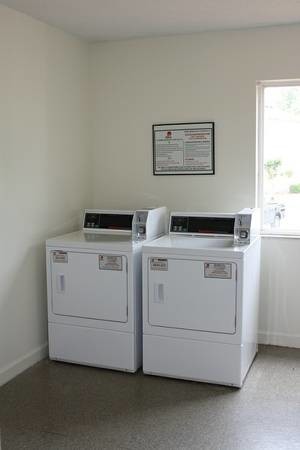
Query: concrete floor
(62, 406)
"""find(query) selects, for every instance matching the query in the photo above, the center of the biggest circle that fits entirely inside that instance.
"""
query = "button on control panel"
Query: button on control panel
(92, 220)
(141, 229)
(244, 234)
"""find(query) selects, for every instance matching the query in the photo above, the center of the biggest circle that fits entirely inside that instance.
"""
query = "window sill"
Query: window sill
(279, 235)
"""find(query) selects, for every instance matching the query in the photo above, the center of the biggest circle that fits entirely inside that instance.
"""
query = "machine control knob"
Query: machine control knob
(141, 229)
(244, 234)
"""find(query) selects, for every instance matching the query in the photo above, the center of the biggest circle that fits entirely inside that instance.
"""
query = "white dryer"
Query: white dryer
(200, 299)
(94, 288)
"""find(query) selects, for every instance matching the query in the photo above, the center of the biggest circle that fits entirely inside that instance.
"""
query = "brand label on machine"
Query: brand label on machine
(159, 263)
(59, 256)
(218, 270)
(110, 262)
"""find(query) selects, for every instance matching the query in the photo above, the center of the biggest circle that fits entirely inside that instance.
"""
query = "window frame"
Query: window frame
(260, 88)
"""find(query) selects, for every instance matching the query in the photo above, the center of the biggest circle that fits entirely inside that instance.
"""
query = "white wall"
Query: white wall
(280, 306)
(209, 76)
(45, 162)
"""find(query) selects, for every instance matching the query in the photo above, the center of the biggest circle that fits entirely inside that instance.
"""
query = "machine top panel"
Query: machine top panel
(92, 241)
(219, 225)
(201, 246)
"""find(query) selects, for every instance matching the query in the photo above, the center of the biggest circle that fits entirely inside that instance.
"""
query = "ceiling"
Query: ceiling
(97, 20)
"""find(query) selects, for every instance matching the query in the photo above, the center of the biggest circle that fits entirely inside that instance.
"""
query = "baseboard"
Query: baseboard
(280, 339)
(10, 371)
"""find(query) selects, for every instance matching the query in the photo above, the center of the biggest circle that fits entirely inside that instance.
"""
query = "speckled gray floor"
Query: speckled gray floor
(62, 406)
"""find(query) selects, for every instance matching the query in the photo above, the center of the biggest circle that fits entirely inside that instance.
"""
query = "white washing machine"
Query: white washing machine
(200, 298)
(94, 288)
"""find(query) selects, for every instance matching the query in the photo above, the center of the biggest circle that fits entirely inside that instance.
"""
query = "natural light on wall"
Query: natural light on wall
(279, 156)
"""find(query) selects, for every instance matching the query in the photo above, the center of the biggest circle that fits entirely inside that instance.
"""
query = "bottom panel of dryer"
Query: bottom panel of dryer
(209, 362)
(94, 347)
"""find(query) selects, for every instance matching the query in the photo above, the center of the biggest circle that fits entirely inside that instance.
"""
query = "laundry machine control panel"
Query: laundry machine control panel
(107, 221)
(141, 224)
(240, 226)
(201, 224)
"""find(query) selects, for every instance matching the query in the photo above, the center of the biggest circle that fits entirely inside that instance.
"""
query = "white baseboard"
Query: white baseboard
(280, 339)
(13, 369)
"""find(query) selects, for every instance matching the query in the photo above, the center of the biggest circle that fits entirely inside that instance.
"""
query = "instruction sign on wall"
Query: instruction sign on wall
(183, 149)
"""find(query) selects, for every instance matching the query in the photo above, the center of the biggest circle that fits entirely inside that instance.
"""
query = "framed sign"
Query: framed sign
(183, 148)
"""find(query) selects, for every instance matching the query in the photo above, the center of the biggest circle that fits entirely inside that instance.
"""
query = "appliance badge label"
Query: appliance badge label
(110, 262)
(59, 256)
(158, 263)
(218, 270)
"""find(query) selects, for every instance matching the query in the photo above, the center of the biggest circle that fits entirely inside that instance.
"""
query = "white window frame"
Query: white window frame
(260, 88)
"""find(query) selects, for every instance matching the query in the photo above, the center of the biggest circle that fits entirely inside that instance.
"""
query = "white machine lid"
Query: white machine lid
(196, 245)
(81, 240)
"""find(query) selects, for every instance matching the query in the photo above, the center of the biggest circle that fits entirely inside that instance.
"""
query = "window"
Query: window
(278, 112)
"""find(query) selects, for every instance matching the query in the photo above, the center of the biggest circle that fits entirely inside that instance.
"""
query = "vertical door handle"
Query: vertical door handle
(158, 293)
(60, 283)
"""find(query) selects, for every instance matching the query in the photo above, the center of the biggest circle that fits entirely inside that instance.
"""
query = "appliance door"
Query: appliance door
(90, 285)
(192, 294)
